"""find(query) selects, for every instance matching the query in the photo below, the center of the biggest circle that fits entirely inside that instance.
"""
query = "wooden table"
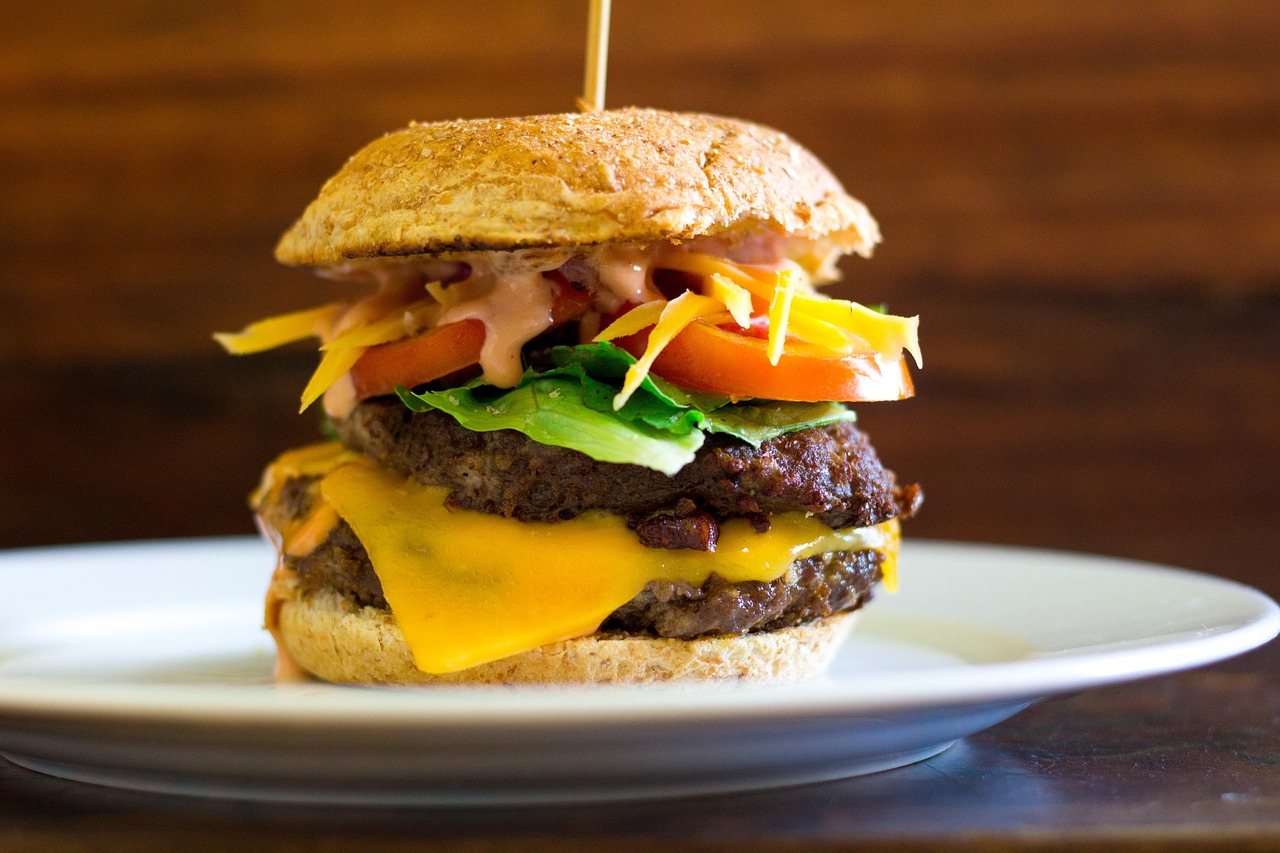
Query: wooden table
(1079, 198)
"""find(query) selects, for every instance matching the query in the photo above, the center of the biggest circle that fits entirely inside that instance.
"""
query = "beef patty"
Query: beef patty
(831, 472)
(811, 588)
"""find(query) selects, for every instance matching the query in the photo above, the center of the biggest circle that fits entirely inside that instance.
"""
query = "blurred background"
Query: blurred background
(1080, 199)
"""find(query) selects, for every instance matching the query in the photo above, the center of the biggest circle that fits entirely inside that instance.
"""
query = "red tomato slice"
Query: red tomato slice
(447, 349)
(422, 358)
(710, 359)
(568, 302)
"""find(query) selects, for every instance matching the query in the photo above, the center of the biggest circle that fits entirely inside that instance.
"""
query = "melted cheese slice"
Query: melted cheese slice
(468, 587)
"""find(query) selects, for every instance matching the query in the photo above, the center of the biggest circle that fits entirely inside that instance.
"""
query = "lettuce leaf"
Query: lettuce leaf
(760, 420)
(552, 411)
(660, 427)
(608, 362)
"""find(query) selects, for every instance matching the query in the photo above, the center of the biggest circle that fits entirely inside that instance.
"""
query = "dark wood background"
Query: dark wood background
(1081, 200)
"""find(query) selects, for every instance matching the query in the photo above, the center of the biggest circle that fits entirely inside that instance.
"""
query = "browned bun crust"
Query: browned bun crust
(572, 179)
(337, 640)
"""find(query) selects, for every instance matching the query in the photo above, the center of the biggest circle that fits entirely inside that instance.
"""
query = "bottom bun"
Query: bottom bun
(337, 640)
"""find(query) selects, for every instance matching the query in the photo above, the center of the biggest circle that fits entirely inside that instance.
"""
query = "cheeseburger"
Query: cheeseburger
(589, 413)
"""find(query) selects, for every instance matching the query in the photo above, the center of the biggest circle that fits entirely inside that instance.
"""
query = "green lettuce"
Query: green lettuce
(553, 410)
(571, 405)
(760, 420)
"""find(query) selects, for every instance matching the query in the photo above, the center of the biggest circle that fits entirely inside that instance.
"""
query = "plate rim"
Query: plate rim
(275, 706)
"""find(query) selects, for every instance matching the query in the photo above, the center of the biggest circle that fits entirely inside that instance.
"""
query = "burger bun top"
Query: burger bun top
(573, 179)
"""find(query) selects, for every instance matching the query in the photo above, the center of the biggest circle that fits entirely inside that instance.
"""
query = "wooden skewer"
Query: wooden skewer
(597, 57)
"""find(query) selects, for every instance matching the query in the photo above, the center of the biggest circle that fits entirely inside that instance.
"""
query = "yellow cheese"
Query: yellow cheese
(309, 533)
(677, 314)
(390, 328)
(313, 460)
(779, 312)
(795, 310)
(734, 297)
(280, 330)
(706, 266)
(468, 587)
(333, 366)
(886, 333)
(640, 317)
(813, 316)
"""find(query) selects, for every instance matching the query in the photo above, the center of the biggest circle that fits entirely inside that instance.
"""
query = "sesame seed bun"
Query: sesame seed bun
(573, 179)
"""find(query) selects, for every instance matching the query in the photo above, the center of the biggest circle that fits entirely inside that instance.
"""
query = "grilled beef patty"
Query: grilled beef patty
(831, 472)
(814, 587)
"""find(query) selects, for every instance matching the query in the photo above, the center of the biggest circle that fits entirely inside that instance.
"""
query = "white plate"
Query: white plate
(143, 665)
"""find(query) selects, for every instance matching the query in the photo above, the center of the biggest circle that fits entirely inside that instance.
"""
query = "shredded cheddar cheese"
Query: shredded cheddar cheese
(277, 331)
(389, 328)
(781, 294)
(334, 364)
(445, 296)
(886, 333)
(707, 266)
(814, 317)
(784, 292)
(633, 321)
(734, 297)
(791, 306)
(677, 314)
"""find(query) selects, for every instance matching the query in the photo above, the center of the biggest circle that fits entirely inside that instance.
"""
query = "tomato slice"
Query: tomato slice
(422, 358)
(447, 349)
(567, 302)
(706, 358)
